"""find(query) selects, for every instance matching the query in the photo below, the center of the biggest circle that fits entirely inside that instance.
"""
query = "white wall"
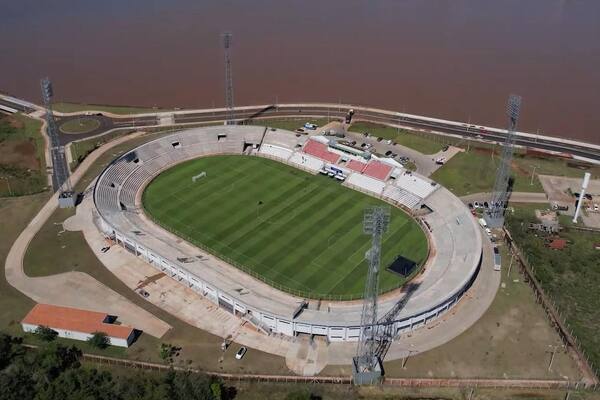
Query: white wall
(80, 335)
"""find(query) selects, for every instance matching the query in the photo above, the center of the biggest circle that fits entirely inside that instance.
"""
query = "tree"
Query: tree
(301, 394)
(99, 340)
(10, 348)
(45, 333)
(54, 359)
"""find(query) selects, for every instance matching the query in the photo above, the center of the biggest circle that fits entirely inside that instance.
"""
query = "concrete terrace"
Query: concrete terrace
(455, 242)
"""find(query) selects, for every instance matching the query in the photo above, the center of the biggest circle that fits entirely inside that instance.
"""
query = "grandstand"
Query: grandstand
(449, 271)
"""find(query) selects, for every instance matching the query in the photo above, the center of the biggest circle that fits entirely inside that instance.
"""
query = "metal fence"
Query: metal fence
(554, 314)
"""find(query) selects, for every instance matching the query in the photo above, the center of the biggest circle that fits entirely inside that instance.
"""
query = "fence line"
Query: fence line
(347, 380)
(569, 340)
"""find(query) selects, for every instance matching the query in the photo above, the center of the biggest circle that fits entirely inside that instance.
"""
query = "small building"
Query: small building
(77, 324)
(557, 244)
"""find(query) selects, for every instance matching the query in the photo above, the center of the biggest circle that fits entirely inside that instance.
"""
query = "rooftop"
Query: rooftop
(74, 319)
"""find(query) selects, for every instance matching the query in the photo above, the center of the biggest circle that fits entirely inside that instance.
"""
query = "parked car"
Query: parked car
(240, 353)
(379, 139)
(388, 153)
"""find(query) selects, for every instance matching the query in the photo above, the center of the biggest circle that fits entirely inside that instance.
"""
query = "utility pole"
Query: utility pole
(532, 174)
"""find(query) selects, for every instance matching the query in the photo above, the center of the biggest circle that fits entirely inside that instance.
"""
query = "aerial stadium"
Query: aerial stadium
(268, 225)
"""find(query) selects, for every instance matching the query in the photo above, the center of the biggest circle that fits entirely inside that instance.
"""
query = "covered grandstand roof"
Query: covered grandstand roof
(377, 170)
(321, 151)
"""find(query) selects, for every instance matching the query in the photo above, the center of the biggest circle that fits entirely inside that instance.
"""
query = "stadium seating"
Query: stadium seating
(450, 270)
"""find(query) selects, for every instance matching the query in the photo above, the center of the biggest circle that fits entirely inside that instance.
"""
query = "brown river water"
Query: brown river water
(456, 59)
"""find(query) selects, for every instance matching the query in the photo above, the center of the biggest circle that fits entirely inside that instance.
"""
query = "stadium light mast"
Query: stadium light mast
(366, 366)
(60, 170)
(229, 118)
(494, 215)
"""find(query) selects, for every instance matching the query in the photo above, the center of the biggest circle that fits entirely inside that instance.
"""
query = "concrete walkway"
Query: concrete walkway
(515, 197)
(75, 289)
(302, 356)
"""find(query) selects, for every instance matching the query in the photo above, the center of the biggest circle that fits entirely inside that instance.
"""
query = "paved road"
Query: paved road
(74, 289)
(515, 197)
(248, 114)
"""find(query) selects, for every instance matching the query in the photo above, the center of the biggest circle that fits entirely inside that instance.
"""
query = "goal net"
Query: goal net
(200, 175)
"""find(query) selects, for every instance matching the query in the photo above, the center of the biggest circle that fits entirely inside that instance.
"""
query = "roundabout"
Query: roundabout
(80, 125)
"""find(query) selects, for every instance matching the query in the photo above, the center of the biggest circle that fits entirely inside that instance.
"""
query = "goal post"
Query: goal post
(200, 175)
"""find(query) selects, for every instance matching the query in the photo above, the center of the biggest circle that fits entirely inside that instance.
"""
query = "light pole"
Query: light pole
(8, 185)
(532, 174)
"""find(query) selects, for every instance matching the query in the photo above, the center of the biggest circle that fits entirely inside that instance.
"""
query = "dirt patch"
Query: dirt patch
(15, 123)
(483, 150)
(519, 169)
(19, 153)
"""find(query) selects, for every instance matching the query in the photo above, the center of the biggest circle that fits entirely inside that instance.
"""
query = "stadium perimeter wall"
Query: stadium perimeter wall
(443, 283)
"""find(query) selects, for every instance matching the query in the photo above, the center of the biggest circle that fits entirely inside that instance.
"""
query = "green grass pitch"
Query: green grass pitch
(298, 232)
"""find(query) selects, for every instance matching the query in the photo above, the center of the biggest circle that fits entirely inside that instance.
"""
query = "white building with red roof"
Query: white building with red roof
(77, 324)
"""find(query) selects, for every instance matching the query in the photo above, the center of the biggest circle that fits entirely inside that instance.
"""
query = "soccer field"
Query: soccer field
(298, 232)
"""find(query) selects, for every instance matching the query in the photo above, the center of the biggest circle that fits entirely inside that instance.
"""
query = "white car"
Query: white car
(240, 353)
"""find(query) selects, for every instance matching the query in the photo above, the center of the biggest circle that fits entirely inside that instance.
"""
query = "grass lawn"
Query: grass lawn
(80, 125)
(22, 160)
(45, 256)
(15, 214)
(475, 171)
(571, 277)
(511, 341)
(421, 142)
(291, 124)
(77, 107)
(296, 231)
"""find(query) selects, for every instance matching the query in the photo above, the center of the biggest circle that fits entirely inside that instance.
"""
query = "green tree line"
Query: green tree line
(54, 372)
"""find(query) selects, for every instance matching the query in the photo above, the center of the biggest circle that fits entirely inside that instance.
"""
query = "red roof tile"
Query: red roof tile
(377, 170)
(319, 150)
(74, 319)
(355, 165)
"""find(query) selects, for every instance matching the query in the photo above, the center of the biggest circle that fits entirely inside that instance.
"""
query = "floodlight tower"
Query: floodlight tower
(229, 120)
(494, 215)
(366, 366)
(60, 169)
